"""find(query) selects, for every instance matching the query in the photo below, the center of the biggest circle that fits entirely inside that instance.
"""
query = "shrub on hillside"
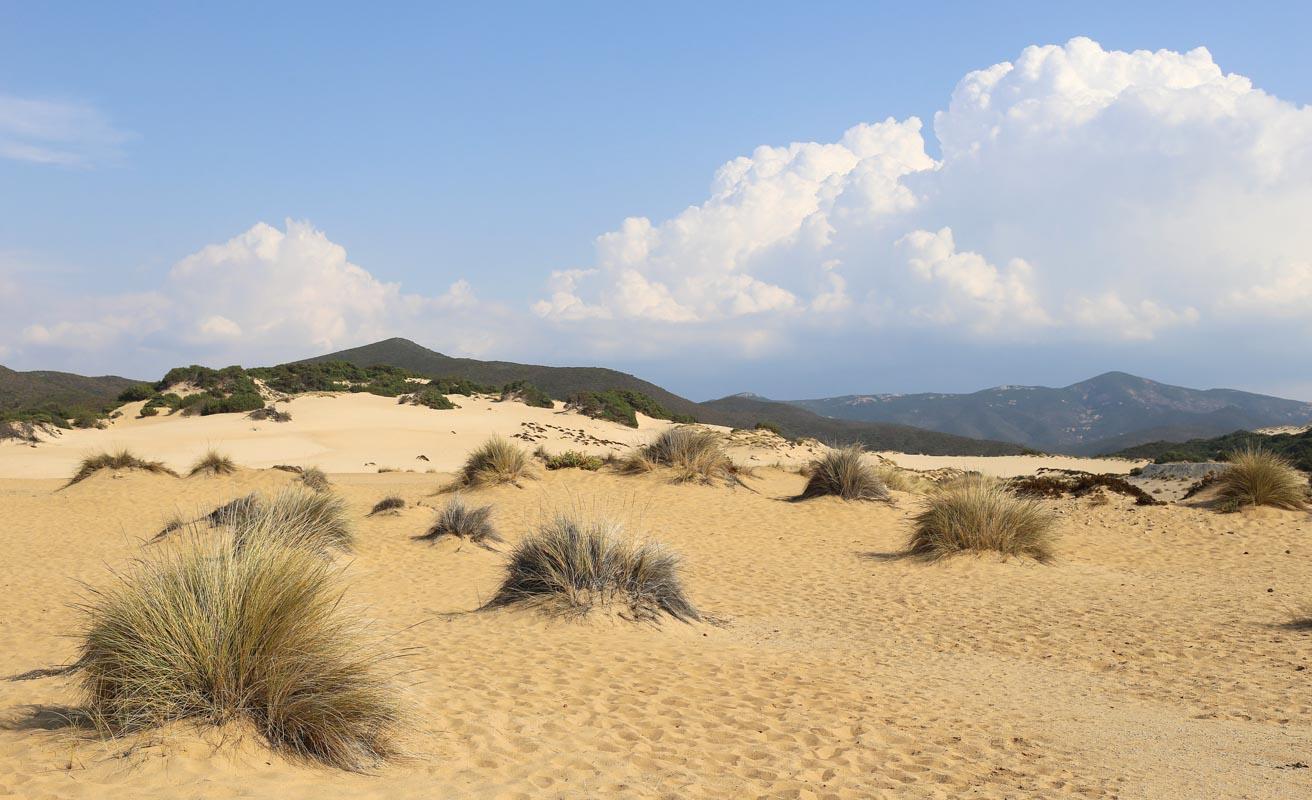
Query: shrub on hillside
(526, 393)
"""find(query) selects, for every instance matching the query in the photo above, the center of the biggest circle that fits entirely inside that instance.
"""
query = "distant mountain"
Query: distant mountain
(19, 390)
(1109, 412)
(739, 411)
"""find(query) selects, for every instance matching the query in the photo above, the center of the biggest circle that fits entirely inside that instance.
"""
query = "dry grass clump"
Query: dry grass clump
(571, 566)
(123, 459)
(316, 479)
(1257, 477)
(976, 515)
(573, 459)
(844, 473)
(695, 454)
(471, 524)
(214, 463)
(216, 632)
(495, 461)
(314, 521)
(903, 480)
(389, 503)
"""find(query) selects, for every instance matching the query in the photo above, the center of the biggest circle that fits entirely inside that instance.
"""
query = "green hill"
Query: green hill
(1297, 447)
(57, 396)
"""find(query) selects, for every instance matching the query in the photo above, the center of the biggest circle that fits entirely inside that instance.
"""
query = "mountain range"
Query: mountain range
(1104, 414)
(1108, 413)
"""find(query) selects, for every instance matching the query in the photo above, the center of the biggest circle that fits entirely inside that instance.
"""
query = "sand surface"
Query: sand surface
(1153, 659)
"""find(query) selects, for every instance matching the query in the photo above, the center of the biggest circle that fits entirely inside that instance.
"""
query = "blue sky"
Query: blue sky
(493, 145)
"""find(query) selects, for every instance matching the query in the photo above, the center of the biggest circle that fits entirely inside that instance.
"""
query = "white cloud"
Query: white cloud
(268, 294)
(1083, 194)
(56, 132)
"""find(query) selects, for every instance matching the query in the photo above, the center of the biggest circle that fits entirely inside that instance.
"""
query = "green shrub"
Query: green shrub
(620, 405)
(526, 393)
(769, 426)
(139, 391)
(430, 398)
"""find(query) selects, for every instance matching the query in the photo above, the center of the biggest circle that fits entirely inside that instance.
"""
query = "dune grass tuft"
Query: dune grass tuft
(122, 459)
(844, 473)
(389, 503)
(213, 463)
(573, 459)
(496, 461)
(316, 479)
(471, 524)
(1257, 477)
(694, 454)
(975, 514)
(571, 566)
(296, 517)
(216, 632)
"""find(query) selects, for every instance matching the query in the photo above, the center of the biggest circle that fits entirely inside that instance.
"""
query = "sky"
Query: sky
(798, 200)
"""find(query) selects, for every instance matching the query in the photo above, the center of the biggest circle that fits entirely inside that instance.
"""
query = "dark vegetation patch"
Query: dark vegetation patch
(390, 503)
(844, 473)
(573, 459)
(768, 426)
(1293, 447)
(430, 398)
(123, 459)
(526, 393)
(271, 414)
(622, 406)
(471, 524)
(1077, 484)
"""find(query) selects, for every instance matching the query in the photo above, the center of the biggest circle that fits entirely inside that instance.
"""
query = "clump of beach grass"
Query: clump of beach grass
(122, 459)
(844, 473)
(975, 514)
(496, 461)
(316, 479)
(571, 566)
(296, 517)
(573, 459)
(694, 454)
(1258, 477)
(389, 503)
(213, 463)
(215, 632)
(474, 525)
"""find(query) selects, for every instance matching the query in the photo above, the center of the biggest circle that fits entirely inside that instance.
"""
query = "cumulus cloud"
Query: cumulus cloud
(268, 294)
(1082, 194)
(56, 132)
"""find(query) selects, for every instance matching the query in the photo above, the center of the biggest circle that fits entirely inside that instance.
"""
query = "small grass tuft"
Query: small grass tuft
(471, 524)
(495, 461)
(314, 521)
(123, 459)
(390, 503)
(572, 566)
(844, 473)
(694, 454)
(573, 459)
(316, 479)
(213, 463)
(1257, 477)
(975, 514)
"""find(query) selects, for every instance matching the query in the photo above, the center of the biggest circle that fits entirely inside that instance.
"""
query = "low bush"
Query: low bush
(975, 514)
(526, 393)
(573, 459)
(390, 503)
(572, 566)
(844, 473)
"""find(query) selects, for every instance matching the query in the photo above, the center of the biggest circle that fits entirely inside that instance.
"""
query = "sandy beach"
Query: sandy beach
(1152, 659)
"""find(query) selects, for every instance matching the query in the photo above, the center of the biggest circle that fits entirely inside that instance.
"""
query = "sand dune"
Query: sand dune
(1153, 659)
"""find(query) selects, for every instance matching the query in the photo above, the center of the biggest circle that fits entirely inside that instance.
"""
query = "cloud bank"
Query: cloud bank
(1097, 198)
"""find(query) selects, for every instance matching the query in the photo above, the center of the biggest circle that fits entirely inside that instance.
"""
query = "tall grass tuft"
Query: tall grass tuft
(844, 473)
(471, 524)
(296, 517)
(213, 463)
(694, 454)
(316, 479)
(1257, 477)
(976, 515)
(123, 459)
(572, 566)
(496, 461)
(215, 632)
